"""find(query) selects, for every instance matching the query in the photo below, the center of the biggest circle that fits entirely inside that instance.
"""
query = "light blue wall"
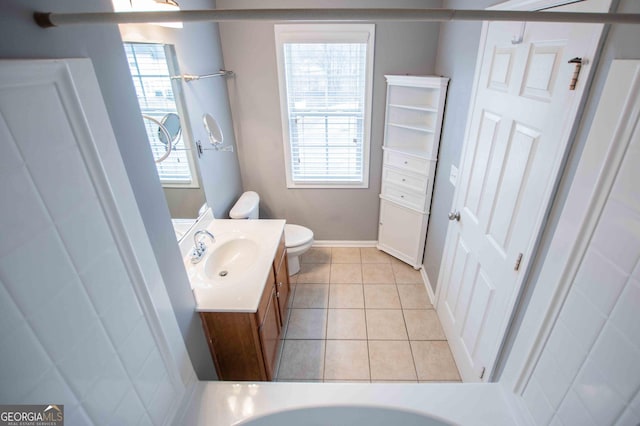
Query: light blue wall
(457, 54)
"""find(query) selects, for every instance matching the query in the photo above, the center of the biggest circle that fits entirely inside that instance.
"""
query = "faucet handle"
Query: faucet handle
(199, 247)
(198, 252)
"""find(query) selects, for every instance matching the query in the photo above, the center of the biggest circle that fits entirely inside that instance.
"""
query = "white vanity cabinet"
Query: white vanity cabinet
(413, 120)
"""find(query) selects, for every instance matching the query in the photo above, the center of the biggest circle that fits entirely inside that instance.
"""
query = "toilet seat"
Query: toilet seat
(296, 235)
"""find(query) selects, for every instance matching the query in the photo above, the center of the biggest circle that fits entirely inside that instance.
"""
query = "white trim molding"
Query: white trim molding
(344, 243)
(427, 283)
(329, 34)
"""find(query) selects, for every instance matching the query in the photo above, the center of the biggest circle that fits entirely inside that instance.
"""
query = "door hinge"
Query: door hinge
(482, 372)
(518, 261)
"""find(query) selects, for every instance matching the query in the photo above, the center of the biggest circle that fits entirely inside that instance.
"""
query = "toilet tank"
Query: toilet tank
(246, 207)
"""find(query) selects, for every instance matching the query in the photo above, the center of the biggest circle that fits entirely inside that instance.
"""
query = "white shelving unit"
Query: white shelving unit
(413, 121)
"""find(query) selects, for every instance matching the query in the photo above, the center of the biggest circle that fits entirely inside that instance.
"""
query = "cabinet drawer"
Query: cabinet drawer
(409, 181)
(406, 162)
(404, 197)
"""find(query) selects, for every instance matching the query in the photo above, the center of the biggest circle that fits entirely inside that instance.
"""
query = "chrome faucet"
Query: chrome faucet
(199, 247)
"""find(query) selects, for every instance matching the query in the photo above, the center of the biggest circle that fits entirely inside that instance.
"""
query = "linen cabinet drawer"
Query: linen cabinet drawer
(404, 197)
(406, 162)
(409, 181)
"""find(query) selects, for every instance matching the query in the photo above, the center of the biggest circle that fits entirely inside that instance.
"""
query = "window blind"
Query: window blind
(326, 108)
(325, 76)
(152, 80)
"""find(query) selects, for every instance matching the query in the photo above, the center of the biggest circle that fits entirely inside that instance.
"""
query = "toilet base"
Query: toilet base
(294, 264)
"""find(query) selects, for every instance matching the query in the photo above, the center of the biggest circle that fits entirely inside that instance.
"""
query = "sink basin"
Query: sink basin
(233, 271)
(230, 259)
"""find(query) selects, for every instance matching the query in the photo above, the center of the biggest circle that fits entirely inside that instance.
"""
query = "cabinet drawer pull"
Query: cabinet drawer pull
(277, 294)
(406, 162)
(280, 284)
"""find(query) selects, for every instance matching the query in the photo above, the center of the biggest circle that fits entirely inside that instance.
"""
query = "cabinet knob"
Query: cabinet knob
(402, 196)
(278, 294)
(406, 162)
(403, 179)
(280, 284)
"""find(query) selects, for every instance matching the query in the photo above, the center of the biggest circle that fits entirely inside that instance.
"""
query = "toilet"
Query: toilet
(297, 239)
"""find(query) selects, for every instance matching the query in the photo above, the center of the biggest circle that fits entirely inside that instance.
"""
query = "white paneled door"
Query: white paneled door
(520, 122)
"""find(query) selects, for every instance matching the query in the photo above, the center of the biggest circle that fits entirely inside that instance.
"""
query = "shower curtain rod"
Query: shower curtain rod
(52, 19)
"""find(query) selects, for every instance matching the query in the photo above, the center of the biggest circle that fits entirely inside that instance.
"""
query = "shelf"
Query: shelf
(417, 128)
(413, 121)
(411, 152)
(414, 108)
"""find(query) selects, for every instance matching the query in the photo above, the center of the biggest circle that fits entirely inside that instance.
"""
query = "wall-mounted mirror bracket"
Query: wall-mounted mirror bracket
(201, 149)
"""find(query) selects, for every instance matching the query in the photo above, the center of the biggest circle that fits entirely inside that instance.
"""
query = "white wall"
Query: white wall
(589, 370)
(249, 50)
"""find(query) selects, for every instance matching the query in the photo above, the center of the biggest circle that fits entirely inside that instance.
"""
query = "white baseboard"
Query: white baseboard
(427, 283)
(343, 243)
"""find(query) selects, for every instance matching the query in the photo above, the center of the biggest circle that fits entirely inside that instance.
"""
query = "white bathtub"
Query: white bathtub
(260, 404)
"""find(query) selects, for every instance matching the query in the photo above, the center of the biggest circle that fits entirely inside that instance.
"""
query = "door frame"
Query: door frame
(531, 252)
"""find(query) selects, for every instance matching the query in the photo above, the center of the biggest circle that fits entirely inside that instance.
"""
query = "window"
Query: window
(152, 66)
(325, 75)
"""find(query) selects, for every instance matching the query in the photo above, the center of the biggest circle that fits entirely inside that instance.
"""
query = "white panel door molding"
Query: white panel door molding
(521, 119)
(119, 339)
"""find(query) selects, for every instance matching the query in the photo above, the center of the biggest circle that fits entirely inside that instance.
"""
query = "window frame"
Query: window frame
(325, 33)
(181, 109)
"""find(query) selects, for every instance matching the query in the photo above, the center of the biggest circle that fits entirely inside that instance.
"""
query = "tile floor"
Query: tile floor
(358, 314)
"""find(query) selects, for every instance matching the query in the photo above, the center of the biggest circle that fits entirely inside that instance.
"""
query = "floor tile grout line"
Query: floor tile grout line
(366, 331)
(326, 325)
(365, 308)
(413, 358)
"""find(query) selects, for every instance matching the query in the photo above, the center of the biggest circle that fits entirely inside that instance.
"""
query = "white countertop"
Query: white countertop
(468, 404)
(240, 290)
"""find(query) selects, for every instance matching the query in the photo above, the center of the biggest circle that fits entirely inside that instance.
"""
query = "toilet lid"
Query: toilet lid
(296, 235)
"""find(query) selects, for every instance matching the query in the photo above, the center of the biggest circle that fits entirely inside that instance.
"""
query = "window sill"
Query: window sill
(180, 185)
(327, 186)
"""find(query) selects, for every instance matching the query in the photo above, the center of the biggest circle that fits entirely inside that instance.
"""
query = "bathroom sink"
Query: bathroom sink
(235, 268)
(229, 259)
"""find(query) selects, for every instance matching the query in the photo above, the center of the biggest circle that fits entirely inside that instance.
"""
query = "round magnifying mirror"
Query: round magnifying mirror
(213, 129)
(171, 122)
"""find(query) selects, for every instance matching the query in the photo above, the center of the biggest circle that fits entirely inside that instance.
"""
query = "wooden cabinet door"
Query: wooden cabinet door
(283, 289)
(269, 333)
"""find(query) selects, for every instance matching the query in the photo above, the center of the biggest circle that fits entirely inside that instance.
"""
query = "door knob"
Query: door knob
(454, 215)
